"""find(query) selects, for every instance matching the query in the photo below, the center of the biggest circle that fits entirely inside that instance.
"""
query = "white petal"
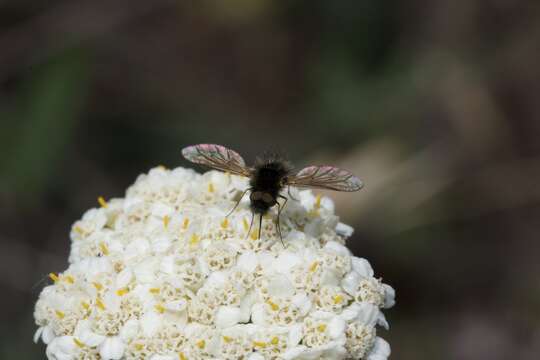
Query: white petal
(285, 261)
(167, 265)
(389, 296)
(132, 203)
(112, 301)
(335, 351)
(90, 338)
(265, 260)
(129, 330)
(37, 334)
(176, 306)
(368, 313)
(112, 348)
(216, 279)
(322, 315)
(255, 356)
(337, 248)
(362, 267)
(336, 327)
(136, 247)
(61, 348)
(350, 313)
(123, 278)
(161, 210)
(48, 334)
(295, 238)
(329, 278)
(344, 230)
(258, 315)
(303, 303)
(248, 261)
(381, 321)
(161, 244)
(245, 306)
(150, 323)
(146, 269)
(293, 353)
(310, 354)
(163, 357)
(350, 282)
(280, 286)
(227, 316)
(380, 350)
(295, 334)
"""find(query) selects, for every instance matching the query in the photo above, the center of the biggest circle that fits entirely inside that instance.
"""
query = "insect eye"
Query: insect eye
(257, 195)
(267, 198)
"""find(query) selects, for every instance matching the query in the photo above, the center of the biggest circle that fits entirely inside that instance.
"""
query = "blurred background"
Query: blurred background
(434, 104)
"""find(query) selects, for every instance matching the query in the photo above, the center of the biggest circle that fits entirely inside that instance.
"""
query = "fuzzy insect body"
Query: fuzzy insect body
(269, 176)
(266, 184)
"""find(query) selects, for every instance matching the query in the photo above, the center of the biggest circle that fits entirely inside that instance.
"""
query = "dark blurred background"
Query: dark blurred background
(434, 104)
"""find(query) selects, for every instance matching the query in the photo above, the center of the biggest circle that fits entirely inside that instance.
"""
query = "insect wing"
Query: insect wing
(326, 177)
(217, 157)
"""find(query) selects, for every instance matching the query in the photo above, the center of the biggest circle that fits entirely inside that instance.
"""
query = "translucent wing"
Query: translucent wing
(217, 157)
(325, 177)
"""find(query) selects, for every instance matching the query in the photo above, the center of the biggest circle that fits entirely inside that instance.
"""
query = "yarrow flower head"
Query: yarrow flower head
(164, 274)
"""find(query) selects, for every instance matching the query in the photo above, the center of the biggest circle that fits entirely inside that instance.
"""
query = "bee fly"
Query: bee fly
(269, 176)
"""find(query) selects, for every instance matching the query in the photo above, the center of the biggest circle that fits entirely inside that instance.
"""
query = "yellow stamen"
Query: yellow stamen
(154, 290)
(273, 305)
(211, 187)
(313, 213)
(70, 279)
(102, 202)
(246, 224)
(261, 344)
(122, 291)
(201, 344)
(100, 304)
(162, 167)
(227, 339)
(313, 266)
(254, 234)
(139, 347)
(166, 220)
(338, 299)
(185, 224)
(85, 305)
(321, 328)
(104, 249)
(225, 223)
(78, 342)
(275, 340)
(160, 309)
(97, 285)
(54, 277)
(194, 239)
(318, 201)
(60, 314)
(78, 229)
(182, 356)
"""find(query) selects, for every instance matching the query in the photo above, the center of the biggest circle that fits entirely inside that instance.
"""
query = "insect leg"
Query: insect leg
(260, 225)
(280, 208)
(250, 225)
(237, 203)
(289, 192)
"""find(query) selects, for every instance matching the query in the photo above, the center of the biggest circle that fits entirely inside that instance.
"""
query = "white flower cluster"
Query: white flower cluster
(164, 274)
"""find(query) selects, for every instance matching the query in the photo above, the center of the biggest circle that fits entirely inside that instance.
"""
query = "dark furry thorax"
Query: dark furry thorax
(268, 177)
(269, 174)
